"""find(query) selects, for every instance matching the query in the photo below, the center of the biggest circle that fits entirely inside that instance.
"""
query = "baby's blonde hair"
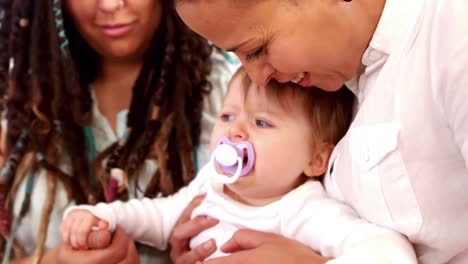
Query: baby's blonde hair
(329, 113)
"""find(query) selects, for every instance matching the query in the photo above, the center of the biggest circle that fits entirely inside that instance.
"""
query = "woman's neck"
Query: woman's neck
(118, 76)
(357, 21)
(367, 17)
(113, 87)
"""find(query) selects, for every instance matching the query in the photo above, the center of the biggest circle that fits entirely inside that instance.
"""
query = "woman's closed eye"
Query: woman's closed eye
(256, 54)
(266, 41)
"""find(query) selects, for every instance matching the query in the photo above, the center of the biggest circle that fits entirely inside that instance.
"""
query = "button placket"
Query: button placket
(374, 55)
(370, 56)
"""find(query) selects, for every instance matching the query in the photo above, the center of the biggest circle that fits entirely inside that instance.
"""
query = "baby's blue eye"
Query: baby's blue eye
(227, 117)
(262, 123)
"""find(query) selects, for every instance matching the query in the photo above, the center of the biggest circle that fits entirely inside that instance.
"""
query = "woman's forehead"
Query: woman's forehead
(220, 22)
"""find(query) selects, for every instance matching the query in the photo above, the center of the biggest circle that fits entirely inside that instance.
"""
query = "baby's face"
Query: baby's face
(282, 142)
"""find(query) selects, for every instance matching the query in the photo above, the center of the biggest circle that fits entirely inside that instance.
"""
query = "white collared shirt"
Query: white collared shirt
(404, 162)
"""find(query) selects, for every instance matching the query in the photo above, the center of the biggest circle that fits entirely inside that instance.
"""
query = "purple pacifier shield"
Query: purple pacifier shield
(240, 147)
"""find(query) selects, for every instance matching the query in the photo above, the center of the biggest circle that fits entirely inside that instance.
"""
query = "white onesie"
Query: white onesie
(305, 214)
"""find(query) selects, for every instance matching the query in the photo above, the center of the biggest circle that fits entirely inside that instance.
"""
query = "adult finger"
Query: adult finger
(193, 227)
(243, 257)
(198, 254)
(246, 239)
(243, 244)
(99, 239)
(73, 233)
(185, 228)
(266, 248)
(184, 232)
(114, 253)
(119, 245)
(83, 228)
(131, 256)
(187, 213)
(65, 231)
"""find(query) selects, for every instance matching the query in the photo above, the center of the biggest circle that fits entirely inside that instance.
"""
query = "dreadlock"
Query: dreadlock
(48, 102)
(5, 7)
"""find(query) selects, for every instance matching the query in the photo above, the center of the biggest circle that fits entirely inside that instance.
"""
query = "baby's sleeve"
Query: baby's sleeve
(334, 230)
(149, 221)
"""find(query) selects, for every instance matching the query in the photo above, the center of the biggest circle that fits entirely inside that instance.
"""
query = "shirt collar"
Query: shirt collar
(394, 26)
(396, 22)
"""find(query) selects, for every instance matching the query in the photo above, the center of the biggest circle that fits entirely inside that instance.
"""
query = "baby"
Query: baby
(270, 146)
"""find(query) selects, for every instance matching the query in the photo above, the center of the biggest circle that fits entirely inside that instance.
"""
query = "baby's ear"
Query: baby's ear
(318, 164)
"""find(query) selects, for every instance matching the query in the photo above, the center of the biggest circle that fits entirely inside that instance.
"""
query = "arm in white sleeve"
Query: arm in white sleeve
(149, 221)
(334, 229)
(455, 94)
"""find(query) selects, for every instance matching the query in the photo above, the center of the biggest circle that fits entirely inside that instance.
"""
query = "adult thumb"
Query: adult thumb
(244, 239)
(99, 239)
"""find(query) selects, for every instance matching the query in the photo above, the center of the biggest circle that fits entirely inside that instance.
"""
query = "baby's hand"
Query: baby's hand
(78, 225)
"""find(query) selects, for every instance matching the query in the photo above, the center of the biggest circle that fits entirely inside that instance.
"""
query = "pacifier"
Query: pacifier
(234, 158)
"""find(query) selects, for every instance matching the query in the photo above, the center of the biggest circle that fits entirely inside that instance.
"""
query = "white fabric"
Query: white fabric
(305, 214)
(104, 136)
(404, 162)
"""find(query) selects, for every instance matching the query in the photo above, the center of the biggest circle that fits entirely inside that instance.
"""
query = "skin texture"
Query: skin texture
(186, 229)
(93, 17)
(76, 229)
(119, 56)
(270, 246)
(65, 73)
(248, 114)
(266, 242)
(279, 39)
(122, 250)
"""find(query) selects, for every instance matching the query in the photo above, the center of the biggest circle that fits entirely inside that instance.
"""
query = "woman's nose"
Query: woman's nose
(260, 73)
(109, 6)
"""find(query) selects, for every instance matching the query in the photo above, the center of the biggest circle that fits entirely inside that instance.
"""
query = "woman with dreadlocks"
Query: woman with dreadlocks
(106, 99)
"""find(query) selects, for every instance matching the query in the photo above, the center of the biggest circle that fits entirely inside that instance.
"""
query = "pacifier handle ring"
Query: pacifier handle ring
(225, 179)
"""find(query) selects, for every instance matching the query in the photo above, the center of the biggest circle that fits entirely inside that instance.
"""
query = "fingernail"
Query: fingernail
(208, 245)
(209, 219)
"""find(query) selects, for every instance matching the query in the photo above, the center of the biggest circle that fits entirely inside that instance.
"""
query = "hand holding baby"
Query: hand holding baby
(82, 230)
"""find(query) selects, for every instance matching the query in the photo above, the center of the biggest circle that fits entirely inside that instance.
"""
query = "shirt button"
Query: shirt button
(370, 56)
(375, 55)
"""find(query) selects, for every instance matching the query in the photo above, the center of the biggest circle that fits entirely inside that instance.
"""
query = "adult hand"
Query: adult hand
(250, 246)
(187, 228)
(122, 250)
